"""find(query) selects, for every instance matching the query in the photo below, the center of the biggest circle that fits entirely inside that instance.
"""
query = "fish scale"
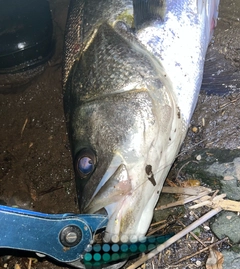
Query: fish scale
(183, 61)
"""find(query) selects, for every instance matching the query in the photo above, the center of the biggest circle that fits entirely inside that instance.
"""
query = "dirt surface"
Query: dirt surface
(36, 166)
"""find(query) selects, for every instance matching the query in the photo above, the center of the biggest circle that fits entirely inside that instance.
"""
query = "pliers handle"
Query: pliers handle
(64, 237)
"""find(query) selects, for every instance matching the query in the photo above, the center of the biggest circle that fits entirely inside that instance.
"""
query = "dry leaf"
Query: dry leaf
(215, 260)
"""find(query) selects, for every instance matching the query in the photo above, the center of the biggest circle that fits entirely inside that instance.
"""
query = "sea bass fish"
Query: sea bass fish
(132, 74)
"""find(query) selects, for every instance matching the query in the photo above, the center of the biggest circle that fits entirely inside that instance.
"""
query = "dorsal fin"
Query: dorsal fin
(147, 10)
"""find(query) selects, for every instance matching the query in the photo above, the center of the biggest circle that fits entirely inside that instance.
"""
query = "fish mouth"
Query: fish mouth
(111, 191)
(129, 209)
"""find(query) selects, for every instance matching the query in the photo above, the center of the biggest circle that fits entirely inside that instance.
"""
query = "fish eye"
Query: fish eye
(85, 162)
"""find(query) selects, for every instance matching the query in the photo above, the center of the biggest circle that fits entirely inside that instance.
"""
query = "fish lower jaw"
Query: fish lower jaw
(115, 234)
(130, 219)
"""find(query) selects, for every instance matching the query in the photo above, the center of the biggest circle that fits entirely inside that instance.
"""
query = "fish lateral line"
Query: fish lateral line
(117, 93)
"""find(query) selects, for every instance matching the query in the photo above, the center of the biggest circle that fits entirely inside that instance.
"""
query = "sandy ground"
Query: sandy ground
(36, 166)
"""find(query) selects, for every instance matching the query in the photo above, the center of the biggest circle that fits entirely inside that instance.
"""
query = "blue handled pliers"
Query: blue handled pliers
(67, 238)
(64, 237)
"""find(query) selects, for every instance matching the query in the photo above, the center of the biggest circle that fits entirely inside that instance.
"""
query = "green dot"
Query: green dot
(161, 239)
(97, 248)
(124, 247)
(106, 247)
(106, 257)
(115, 256)
(115, 247)
(151, 246)
(151, 240)
(133, 247)
(142, 247)
(96, 265)
(123, 255)
(87, 264)
(88, 257)
(97, 257)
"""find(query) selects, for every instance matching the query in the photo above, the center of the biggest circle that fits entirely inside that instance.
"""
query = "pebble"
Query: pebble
(195, 129)
(198, 157)
(198, 263)
(228, 178)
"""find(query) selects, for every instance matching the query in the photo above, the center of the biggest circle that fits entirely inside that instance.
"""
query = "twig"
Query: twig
(157, 223)
(193, 235)
(200, 251)
(230, 102)
(157, 229)
(229, 205)
(29, 263)
(24, 125)
(217, 201)
(182, 201)
(186, 190)
(176, 237)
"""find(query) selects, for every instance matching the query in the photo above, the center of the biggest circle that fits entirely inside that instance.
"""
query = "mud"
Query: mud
(36, 166)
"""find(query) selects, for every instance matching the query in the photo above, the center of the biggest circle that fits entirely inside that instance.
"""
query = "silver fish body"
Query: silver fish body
(131, 84)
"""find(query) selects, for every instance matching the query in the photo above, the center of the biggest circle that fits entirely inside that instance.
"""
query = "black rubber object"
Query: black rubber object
(25, 34)
(26, 42)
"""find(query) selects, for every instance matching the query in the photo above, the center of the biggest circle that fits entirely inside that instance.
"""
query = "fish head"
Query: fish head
(125, 132)
(123, 164)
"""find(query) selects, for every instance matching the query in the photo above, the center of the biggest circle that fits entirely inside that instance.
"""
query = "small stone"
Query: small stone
(195, 129)
(228, 178)
(206, 228)
(198, 263)
(198, 157)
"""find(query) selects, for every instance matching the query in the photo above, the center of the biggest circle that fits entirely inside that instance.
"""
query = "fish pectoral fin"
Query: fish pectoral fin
(220, 75)
(147, 10)
(116, 187)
